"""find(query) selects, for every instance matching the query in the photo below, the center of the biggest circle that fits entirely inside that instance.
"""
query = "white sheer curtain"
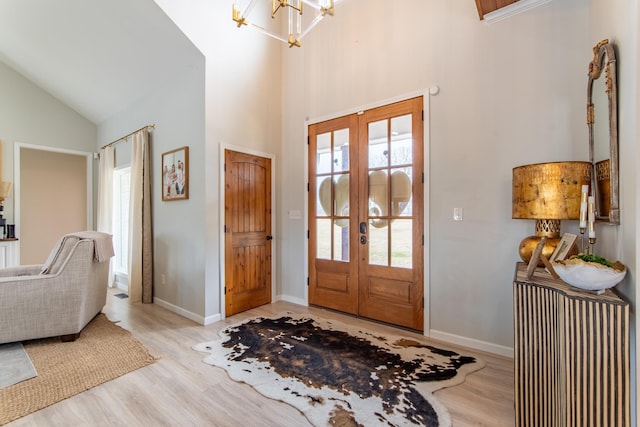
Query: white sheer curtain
(105, 195)
(140, 234)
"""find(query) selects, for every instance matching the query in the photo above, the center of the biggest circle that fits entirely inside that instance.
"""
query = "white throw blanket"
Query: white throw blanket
(102, 243)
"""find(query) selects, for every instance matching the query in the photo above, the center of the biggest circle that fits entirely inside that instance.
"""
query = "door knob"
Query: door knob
(269, 237)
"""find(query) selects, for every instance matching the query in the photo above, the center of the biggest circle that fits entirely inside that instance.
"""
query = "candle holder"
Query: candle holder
(591, 224)
(584, 199)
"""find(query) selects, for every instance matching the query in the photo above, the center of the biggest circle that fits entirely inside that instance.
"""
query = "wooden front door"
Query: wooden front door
(247, 231)
(366, 214)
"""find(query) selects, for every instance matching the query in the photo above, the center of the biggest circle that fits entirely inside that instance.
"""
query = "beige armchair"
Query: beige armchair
(59, 297)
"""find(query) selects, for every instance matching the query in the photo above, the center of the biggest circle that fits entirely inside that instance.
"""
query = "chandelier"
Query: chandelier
(297, 28)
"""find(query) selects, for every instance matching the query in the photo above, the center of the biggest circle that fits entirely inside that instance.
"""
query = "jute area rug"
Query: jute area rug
(340, 375)
(103, 351)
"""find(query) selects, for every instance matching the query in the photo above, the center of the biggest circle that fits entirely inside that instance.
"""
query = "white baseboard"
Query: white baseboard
(472, 343)
(185, 313)
(293, 300)
(438, 335)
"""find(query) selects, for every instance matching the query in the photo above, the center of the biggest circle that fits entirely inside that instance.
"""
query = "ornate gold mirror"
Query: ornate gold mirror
(602, 119)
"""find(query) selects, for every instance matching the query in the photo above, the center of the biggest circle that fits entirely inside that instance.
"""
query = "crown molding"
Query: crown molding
(512, 10)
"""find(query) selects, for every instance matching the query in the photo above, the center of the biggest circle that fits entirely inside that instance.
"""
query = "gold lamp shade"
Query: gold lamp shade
(548, 193)
(5, 189)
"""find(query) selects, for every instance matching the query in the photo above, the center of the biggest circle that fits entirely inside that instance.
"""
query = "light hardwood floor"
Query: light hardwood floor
(180, 390)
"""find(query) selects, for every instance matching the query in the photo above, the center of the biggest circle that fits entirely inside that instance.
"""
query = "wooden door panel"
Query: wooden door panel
(334, 287)
(392, 301)
(247, 231)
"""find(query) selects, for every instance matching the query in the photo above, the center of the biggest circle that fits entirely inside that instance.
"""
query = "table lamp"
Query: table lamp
(548, 193)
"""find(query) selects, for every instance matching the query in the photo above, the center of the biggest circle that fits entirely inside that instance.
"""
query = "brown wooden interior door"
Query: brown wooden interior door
(366, 215)
(247, 231)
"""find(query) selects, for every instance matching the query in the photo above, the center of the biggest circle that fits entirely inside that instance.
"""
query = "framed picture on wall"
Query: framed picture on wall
(175, 174)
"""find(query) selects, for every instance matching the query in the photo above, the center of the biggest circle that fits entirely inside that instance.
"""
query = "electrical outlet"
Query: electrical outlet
(163, 279)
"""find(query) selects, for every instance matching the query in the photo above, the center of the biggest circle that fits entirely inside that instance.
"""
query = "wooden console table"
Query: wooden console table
(571, 354)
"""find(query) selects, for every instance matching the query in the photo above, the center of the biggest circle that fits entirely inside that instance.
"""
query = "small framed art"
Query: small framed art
(535, 258)
(564, 247)
(175, 174)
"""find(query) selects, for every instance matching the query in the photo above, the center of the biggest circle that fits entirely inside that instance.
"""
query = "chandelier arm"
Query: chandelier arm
(312, 4)
(267, 32)
(323, 6)
(313, 23)
(247, 11)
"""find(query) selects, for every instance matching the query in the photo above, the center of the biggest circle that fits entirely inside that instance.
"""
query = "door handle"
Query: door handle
(363, 239)
(269, 237)
(363, 228)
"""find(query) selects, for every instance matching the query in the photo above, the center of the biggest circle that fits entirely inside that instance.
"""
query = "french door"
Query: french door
(366, 214)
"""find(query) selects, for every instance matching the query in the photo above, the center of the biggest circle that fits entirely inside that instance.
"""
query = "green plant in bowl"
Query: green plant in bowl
(597, 259)
(590, 272)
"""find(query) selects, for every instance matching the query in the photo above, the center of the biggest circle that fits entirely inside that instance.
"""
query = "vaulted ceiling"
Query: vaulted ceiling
(96, 56)
(99, 57)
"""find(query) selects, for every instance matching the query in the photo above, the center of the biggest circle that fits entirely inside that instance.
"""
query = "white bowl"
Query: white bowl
(589, 275)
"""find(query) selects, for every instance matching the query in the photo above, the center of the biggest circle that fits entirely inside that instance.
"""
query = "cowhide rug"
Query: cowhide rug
(339, 375)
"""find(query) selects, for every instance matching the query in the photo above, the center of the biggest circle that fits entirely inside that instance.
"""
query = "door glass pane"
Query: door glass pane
(401, 243)
(341, 196)
(340, 242)
(401, 183)
(378, 245)
(378, 144)
(324, 196)
(323, 239)
(341, 150)
(323, 153)
(378, 194)
(401, 141)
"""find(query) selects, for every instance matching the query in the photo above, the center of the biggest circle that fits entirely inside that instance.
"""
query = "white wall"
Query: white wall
(618, 21)
(242, 108)
(32, 116)
(511, 93)
(177, 110)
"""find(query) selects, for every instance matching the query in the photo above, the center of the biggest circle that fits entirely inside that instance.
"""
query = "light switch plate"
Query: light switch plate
(457, 214)
(295, 214)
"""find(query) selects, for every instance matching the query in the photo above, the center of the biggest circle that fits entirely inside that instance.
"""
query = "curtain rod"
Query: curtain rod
(153, 126)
